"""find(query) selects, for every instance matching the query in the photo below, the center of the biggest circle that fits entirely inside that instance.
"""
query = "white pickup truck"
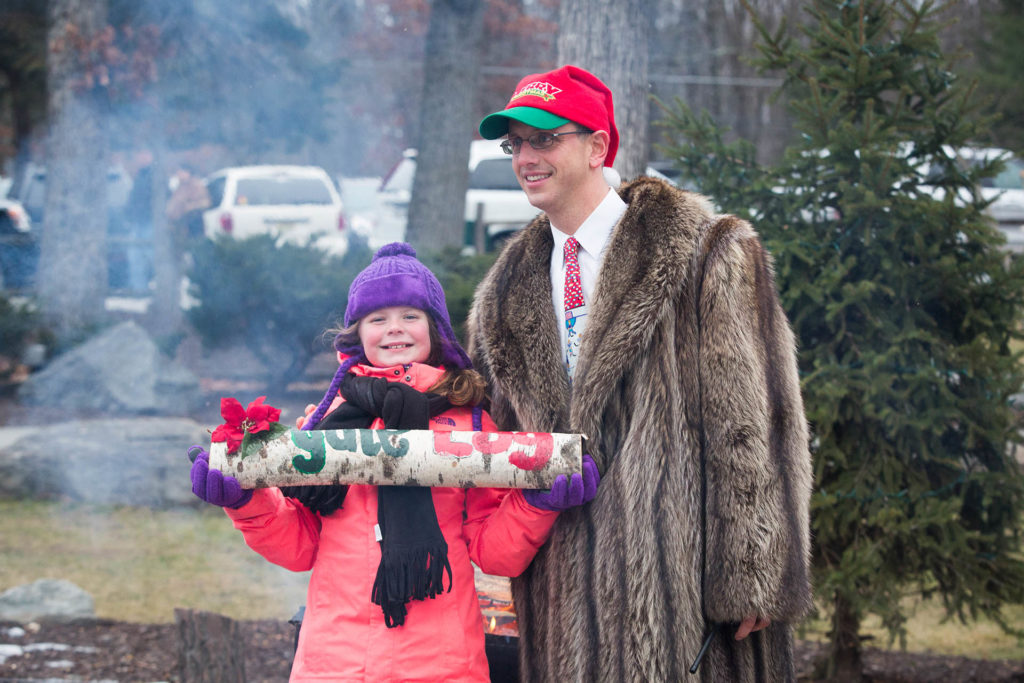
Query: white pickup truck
(494, 196)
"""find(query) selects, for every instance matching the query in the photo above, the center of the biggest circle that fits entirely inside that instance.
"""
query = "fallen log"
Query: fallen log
(395, 457)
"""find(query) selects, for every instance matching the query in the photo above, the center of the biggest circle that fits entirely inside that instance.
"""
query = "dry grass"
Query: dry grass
(984, 638)
(139, 564)
(929, 631)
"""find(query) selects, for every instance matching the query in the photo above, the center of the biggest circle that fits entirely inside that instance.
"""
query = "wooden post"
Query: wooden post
(210, 648)
(394, 457)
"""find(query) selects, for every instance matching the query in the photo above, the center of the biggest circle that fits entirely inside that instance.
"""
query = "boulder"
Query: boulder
(46, 600)
(125, 461)
(118, 372)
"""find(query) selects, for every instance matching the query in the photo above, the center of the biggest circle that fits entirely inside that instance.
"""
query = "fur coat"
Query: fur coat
(687, 391)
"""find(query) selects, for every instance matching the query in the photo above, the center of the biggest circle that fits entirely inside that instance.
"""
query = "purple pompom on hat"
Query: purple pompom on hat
(396, 278)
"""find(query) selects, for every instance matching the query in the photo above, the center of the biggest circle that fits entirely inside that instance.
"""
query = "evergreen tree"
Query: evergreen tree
(905, 307)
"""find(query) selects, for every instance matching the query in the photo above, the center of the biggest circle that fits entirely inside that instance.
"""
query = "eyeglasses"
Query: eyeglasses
(538, 141)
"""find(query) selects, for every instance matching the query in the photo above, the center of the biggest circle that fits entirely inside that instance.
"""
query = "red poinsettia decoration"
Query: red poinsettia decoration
(238, 422)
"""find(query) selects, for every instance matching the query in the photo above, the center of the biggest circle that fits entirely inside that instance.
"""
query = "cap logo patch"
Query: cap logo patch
(540, 89)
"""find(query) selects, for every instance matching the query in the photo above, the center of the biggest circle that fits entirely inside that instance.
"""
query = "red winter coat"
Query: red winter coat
(343, 636)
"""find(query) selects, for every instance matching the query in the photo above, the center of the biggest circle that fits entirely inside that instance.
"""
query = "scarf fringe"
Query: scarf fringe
(409, 574)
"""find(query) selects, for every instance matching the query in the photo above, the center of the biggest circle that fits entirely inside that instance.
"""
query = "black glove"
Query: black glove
(398, 404)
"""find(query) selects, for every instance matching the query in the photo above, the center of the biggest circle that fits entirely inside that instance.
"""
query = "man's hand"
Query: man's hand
(751, 624)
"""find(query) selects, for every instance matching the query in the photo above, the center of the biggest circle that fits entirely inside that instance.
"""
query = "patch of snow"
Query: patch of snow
(7, 651)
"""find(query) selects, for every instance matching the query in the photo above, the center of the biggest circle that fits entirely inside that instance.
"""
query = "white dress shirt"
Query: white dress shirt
(593, 236)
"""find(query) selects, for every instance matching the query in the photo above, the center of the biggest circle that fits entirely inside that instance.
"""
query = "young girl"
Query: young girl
(391, 595)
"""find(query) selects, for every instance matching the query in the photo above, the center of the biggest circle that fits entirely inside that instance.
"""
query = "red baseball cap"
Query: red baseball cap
(555, 98)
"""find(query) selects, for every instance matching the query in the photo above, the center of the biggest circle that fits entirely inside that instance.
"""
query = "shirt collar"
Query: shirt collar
(593, 234)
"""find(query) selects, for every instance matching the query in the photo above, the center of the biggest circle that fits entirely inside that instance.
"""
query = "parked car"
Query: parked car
(21, 215)
(494, 198)
(31, 192)
(19, 250)
(299, 204)
(1005, 190)
(14, 219)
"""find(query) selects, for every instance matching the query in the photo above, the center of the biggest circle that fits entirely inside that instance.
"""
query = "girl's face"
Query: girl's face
(396, 335)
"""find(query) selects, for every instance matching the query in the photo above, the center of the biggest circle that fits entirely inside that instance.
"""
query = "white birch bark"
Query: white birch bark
(391, 457)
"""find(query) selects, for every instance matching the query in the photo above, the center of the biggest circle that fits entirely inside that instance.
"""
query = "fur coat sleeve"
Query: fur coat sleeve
(687, 391)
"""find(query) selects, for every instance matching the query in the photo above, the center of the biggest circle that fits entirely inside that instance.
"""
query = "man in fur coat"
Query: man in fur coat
(651, 325)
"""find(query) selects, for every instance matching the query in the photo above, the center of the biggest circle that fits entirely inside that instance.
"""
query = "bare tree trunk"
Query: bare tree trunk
(699, 54)
(447, 119)
(610, 39)
(844, 660)
(24, 126)
(165, 313)
(72, 277)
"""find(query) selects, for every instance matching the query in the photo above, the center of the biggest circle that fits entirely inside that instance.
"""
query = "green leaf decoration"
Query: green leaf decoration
(252, 443)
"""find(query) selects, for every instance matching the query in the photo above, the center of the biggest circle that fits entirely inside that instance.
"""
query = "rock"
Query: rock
(46, 600)
(118, 372)
(128, 461)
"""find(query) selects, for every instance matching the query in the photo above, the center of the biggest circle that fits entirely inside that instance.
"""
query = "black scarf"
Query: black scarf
(414, 554)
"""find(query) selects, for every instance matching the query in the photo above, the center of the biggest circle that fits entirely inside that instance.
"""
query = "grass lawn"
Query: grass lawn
(926, 632)
(139, 564)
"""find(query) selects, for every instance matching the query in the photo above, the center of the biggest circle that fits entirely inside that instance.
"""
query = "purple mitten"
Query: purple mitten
(567, 493)
(212, 486)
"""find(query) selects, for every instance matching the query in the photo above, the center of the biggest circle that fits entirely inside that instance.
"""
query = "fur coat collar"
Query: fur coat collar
(687, 391)
(522, 336)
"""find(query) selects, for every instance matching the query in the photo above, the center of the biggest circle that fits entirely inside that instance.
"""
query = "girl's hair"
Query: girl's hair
(462, 387)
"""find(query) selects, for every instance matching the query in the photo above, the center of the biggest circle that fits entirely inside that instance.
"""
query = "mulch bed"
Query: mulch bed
(107, 650)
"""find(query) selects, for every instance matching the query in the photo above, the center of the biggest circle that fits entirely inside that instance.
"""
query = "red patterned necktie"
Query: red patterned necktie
(575, 307)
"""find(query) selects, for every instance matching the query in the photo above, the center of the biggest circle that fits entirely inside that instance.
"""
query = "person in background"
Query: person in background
(189, 198)
(639, 317)
(392, 593)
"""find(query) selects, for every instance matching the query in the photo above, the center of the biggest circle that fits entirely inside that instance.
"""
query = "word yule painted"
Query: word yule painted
(412, 457)
(269, 454)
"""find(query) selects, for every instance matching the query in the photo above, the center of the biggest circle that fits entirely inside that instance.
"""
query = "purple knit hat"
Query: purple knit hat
(396, 278)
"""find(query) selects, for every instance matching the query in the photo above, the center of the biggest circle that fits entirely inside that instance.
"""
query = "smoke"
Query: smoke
(206, 84)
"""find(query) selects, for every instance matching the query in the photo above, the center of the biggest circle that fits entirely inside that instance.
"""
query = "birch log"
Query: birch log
(393, 457)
